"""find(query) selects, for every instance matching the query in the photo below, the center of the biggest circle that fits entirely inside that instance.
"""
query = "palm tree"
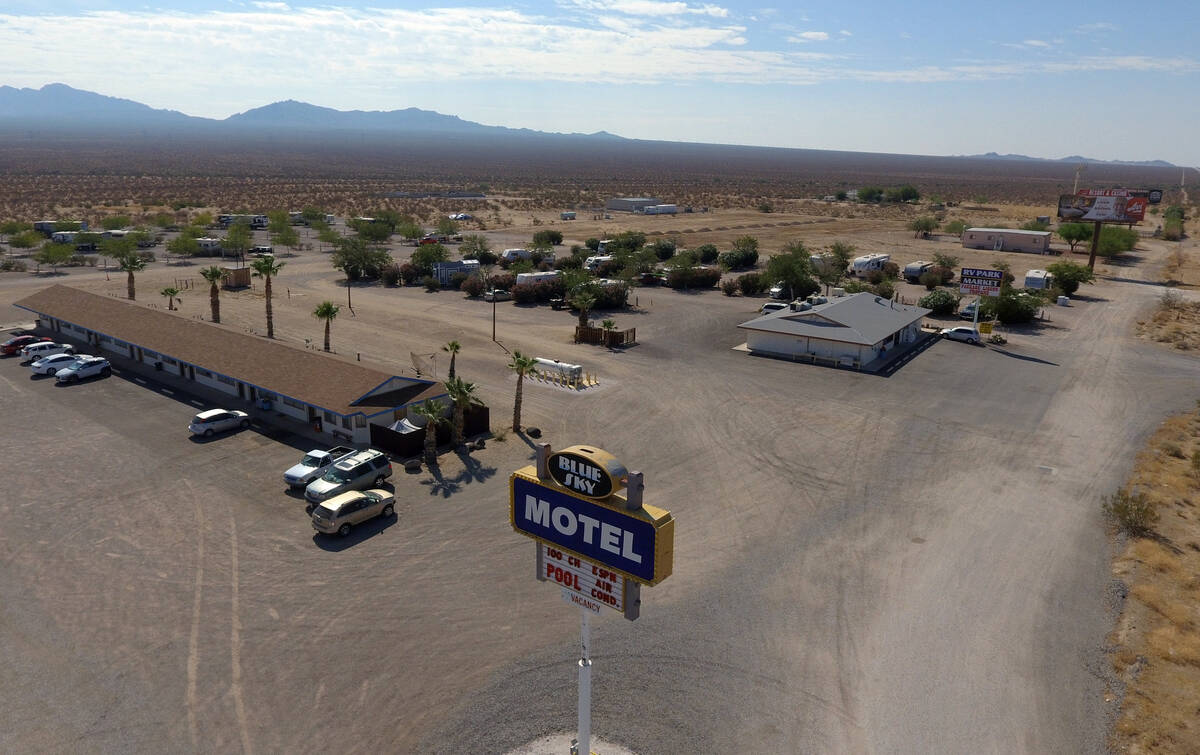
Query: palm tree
(522, 365)
(432, 412)
(172, 294)
(609, 326)
(584, 302)
(131, 263)
(453, 348)
(463, 395)
(265, 267)
(214, 275)
(326, 311)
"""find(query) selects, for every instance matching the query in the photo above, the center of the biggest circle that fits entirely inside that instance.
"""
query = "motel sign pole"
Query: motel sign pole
(584, 742)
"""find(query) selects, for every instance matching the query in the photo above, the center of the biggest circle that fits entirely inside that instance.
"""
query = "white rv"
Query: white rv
(1039, 279)
(914, 270)
(868, 262)
(822, 263)
(536, 277)
(512, 255)
(594, 263)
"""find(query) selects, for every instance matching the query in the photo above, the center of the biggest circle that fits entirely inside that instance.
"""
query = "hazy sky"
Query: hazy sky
(1049, 79)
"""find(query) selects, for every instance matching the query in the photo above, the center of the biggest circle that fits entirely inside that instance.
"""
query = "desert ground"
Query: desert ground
(863, 564)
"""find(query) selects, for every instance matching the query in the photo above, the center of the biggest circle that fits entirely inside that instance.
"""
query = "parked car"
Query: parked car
(261, 251)
(36, 351)
(217, 420)
(356, 472)
(53, 363)
(342, 512)
(16, 343)
(772, 306)
(84, 367)
(962, 333)
(314, 464)
(968, 312)
(497, 294)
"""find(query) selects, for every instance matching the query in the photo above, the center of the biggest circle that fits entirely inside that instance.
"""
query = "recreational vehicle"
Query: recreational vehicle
(914, 270)
(868, 262)
(1039, 279)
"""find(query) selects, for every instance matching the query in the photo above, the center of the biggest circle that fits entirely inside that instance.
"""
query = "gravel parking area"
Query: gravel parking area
(912, 562)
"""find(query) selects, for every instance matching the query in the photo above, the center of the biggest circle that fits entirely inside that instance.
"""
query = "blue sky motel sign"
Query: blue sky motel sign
(621, 540)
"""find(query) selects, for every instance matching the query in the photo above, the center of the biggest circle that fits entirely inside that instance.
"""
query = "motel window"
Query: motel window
(226, 380)
(346, 422)
(105, 339)
(360, 420)
(267, 396)
(203, 373)
(150, 354)
(292, 403)
(330, 418)
(168, 360)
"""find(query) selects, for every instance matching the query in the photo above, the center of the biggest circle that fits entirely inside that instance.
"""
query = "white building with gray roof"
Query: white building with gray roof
(851, 330)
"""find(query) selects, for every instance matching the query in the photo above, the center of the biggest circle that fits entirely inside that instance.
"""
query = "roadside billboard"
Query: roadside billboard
(1104, 206)
(980, 281)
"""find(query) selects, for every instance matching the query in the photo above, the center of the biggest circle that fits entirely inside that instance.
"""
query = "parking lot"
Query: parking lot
(861, 560)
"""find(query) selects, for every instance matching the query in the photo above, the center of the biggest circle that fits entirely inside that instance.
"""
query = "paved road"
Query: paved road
(910, 563)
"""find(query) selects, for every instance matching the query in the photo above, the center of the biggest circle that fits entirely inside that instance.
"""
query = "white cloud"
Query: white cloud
(845, 33)
(271, 6)
(650, 8)
(809, 36)
(1097, 26)
(1036, 43)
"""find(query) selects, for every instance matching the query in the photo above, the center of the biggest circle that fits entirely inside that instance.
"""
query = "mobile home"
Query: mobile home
(536, 277)
(1007, 240)
(1039, 279)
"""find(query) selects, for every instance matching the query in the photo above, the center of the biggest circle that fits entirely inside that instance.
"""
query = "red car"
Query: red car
(16, 343)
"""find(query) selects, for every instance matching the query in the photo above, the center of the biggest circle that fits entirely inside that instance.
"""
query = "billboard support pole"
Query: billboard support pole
(1095, 246)
(583, 744)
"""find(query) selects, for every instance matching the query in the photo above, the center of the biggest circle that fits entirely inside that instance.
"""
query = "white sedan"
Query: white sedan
(962, 333)
(217, 420)
(53, 363)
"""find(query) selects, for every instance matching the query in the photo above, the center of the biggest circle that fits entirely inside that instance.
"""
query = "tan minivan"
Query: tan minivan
(342, 512)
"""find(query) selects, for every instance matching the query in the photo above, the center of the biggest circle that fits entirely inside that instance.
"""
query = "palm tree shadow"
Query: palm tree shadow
(473, 471)
(439, 484)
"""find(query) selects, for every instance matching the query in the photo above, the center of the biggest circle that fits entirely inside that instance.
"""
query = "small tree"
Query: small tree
(706, 254)
(940, 302)
(237, 240)
(472, 245)
(171, 293)
(54, 255)
(546, 238)
(522, 365)
(945, 260)
(286, 237)
(583, 300)
(1068, 275)
(266, 268)
(956, 227)
(923, 226)
(1074, 233)
(447, 226)
(428, 254)
(452, 349)
(433, 412)
(214, 275)
(326, 311)
(131, 263)
(463, 395)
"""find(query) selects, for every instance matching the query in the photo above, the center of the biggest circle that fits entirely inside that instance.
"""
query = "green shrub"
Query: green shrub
(930, 279)
(693, 277)
(738, 259)
(409, 273)
(1115, 240)
(13, 266)
(706, 254)
(472, 286)
(548, 238)
(430, 283)
(730, 286)
(390, 275)
(875, 277)
(1013, 306)
(751, 284)
(1133, 514)
(940, 302)
(884, 289)
(891, 271)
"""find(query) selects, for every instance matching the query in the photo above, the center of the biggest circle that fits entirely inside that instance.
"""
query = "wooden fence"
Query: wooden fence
(610, 338)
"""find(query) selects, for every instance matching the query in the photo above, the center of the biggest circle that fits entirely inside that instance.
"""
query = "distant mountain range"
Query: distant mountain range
(61, 111)
(58, 105)
(1074, 159)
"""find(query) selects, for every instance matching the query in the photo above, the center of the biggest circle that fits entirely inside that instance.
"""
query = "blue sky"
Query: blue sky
(1104, 79)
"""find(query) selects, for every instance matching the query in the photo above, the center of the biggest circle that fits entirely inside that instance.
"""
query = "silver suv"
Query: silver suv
(342, 512)
(357, 472)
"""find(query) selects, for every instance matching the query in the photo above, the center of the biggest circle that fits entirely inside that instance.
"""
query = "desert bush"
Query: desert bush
(664, 249)
(430, 283)
(706, 254)
(390, 275)
(730, 287)
(693, 277)
(891, 271)
(884, 289)
(738, 259)
(1115, 240)
(940, 302)
(547, 238)
(943, 273)
(930, 280)
(875, 277)
(456, 281)
(956, 227)
(1133, 513)
(410, 273)
(751, 284)
(472, 286)
(571, 262)
(13, 266)
(1012, 307)
(523, 293)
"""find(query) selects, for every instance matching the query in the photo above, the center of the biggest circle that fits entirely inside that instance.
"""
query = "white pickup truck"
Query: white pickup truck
(314, 464)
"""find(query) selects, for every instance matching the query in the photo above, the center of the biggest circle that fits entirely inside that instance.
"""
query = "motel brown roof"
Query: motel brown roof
(311, 377)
